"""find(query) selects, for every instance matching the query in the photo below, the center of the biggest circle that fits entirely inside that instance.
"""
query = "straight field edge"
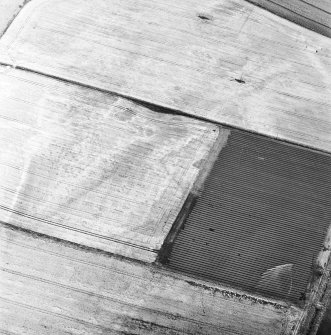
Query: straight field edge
(13, 16)
(166, 248)
(285, 11)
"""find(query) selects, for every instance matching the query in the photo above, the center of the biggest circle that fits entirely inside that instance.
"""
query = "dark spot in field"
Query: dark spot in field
(240, 81)
(205, 17)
